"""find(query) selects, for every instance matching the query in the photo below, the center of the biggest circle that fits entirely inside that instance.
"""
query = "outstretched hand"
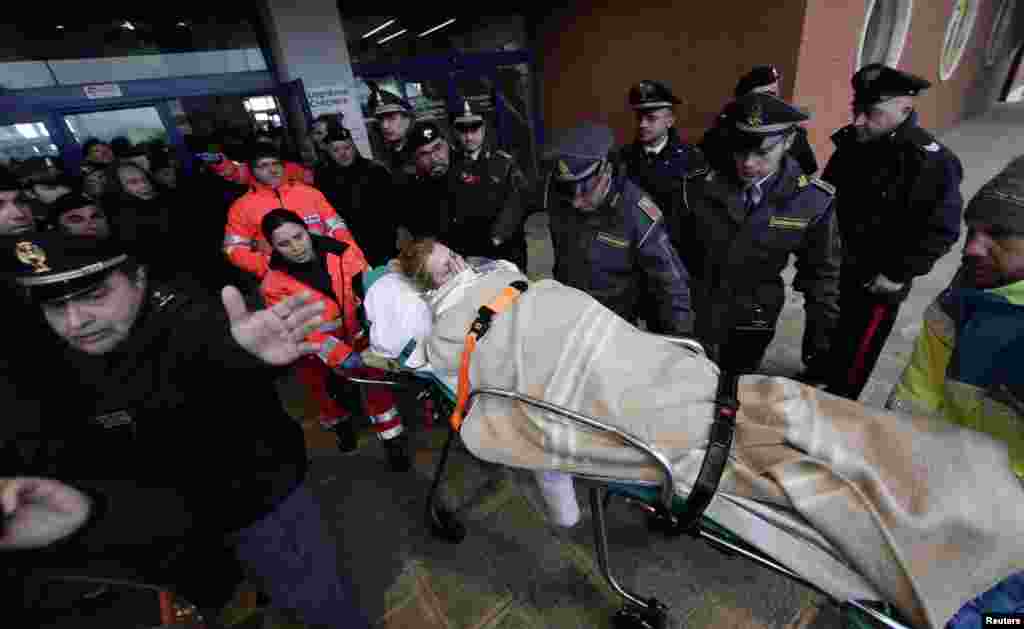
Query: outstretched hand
(275, 335)
(39, 511)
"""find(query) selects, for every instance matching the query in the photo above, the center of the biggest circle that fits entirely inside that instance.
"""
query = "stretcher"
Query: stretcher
(667, 513)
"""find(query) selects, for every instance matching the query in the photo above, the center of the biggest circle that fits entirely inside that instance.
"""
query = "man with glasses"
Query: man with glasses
(487, 189)
(750, 218)
(609, 236)
(900, 213)
(659, 162)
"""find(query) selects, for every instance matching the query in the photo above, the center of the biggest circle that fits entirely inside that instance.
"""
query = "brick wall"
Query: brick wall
(595, 52)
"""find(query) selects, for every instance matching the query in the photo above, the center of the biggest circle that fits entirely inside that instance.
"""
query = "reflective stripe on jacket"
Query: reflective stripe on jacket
(242, 233)
(959, 384)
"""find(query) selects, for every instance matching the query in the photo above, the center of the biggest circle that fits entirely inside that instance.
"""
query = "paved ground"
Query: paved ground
(513, 571)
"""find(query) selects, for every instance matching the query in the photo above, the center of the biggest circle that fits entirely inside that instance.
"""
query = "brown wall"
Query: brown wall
(594, 51)
(828, 52)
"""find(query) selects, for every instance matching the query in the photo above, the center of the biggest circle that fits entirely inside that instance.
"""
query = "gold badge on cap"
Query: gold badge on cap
(755, 119)
(563, 169)
(428, 133)
(468, 112)
(33, 255)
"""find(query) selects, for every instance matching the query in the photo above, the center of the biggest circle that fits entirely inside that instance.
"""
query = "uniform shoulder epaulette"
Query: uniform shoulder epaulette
(162, 298)
(824, 185)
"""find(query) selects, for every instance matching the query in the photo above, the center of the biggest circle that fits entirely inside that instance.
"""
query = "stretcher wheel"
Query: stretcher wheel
(444, 525)
(654, 616)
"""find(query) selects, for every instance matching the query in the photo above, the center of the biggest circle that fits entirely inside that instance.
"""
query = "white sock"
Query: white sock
(560, 496)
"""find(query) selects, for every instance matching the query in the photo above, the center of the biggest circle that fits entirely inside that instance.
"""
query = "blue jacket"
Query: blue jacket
(608, 251)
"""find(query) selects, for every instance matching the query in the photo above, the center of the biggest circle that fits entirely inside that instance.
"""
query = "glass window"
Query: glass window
(43, 53)
(999, 39)
(22, 141)
(139, 125)
(885, 32)
(958, 32)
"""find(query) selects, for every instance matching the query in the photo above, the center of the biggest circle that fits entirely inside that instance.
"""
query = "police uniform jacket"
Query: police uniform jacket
(360, 194)
(744, 255)
(901, 205)
(603, 252)
(488, 200)
(662, 176)
(180, 411)
(715, 145)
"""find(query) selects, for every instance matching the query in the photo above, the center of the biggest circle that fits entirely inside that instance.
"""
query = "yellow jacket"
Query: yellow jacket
(956, 383)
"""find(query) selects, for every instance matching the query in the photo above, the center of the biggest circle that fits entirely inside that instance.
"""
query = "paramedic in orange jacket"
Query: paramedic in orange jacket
(239, 172)
(303, 262)
(244, 243)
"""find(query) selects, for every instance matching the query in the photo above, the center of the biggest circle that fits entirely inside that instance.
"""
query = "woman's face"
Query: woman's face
(136, 183)
(86, 221)
(293, 242)
(444, 264)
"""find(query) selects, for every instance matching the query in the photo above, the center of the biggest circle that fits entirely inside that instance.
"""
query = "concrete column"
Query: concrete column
(307, 42)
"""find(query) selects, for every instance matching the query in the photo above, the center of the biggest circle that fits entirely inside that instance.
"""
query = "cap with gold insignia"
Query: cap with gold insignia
(580, 151)
(466, 116)
(760, 121)
(423, 132)
(877, 83)
(339, 134)
(649, 94)
(53, 266)
(384, 102)
(757, 79)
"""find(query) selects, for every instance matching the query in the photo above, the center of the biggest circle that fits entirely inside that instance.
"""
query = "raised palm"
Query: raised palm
(275, 335)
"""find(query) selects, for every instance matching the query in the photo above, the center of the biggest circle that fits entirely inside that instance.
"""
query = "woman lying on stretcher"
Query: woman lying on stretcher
(870, 504)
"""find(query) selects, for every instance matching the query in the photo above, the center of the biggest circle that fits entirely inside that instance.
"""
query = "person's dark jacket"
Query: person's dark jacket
(425, 206)
(744, 256)
(360, 193)
(616, 250)
(901, 206)
(145, 226)
(662, 177)
(180, 408)
(715, 145)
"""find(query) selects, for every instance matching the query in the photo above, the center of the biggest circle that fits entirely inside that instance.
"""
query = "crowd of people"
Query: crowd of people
(114, 272)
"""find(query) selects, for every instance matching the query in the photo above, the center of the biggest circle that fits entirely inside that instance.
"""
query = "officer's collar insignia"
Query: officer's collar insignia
(803, 181)
(428, 133)
(755, 118)
(161, 298)
(932, 148)
(468, 111)
(563, 169)
(33, 255)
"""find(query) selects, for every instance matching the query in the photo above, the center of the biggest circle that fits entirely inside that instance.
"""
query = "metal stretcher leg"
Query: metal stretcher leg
(442, 521)
(638, 613)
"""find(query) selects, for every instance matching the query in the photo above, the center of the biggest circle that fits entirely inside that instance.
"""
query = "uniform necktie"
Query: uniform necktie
(752, 198)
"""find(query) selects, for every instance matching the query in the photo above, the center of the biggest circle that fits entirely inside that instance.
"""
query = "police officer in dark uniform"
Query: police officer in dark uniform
(900, 212)
(658, 162)
(395, 117)
(764, 80)
(359, 188)
(750, 219)
(426, 204)
(154, 383)
(607, 233)
(488, 189)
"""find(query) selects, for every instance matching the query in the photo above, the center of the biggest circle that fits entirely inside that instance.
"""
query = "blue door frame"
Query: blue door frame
(51, 104)
(446, 66)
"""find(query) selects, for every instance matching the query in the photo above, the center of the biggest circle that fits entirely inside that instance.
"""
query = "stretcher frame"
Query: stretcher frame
(659, 500)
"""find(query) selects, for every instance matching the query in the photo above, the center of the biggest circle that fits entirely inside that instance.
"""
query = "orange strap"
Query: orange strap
(505, 298)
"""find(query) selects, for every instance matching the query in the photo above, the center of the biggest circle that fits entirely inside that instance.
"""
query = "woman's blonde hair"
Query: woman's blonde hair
(412, 261)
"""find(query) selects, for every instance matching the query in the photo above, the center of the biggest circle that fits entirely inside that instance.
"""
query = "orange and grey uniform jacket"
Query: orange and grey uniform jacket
(242, 232)
(341, 333)
(965, 367)
(238, 172)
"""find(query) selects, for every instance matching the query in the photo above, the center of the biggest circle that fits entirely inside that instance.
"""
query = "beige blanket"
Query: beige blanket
(866, 503)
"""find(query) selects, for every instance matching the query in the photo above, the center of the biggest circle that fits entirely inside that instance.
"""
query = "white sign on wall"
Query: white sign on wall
(341, 98)
(102, 90)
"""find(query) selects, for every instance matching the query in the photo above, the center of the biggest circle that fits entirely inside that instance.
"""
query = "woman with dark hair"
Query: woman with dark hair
(302, 262)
